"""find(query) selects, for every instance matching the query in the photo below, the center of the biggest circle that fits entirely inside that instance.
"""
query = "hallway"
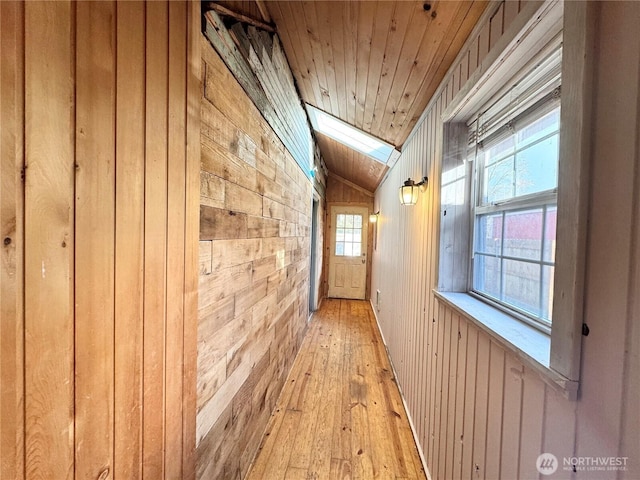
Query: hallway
(340, 414)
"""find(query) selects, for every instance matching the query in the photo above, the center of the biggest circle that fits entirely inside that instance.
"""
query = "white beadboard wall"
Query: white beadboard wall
(478, 411)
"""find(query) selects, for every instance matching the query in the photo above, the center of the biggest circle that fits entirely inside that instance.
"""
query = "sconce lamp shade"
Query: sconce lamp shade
(373, 218)
(409, 191)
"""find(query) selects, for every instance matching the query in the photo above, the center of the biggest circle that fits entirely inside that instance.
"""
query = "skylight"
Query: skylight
(350, 136)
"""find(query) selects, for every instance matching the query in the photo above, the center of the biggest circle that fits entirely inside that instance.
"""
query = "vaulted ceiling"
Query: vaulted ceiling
(373, 64)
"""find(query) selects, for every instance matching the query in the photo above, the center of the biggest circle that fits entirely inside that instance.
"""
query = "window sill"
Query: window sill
(530, 345)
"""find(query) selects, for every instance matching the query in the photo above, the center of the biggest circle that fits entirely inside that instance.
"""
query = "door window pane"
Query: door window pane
(348, 235)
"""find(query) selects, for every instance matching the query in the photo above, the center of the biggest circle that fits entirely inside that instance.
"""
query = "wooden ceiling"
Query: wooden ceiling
(351, 164)
(373, 64)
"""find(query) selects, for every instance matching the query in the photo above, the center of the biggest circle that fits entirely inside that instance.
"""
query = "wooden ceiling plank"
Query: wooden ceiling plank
(338, 43)
(413, 39)
(349, 183)
(324, 21)
(350, 29)
(312, 36)
(402, 19)
(448, 51)
(264, 11)
(350, 164)
(365, 31)
(294, 18)
(381, 27)
(302, 79)
(418, 86)
(333, 49)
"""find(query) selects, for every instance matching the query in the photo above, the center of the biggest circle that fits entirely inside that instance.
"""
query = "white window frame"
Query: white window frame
(555, 356)
(521, 203)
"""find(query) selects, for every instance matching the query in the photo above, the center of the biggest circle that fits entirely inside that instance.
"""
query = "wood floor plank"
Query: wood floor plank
(340, 415)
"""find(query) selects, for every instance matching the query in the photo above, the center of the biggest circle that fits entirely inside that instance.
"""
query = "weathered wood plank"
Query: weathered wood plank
(95, 238)
(49, 240)
(12, 234)
(217, 224)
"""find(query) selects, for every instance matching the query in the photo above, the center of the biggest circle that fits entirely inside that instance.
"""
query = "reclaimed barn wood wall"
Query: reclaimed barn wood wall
(341, 192)
(478, 411)
(99, 203)
(255, 213)
(258, 62)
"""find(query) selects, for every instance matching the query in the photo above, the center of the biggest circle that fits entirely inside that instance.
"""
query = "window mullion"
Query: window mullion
(544, 232)
(502, 258)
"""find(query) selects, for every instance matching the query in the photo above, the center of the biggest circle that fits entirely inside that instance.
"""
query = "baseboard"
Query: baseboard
(404, 403)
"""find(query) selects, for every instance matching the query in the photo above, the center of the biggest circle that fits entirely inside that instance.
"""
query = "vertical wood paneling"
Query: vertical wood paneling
(95, 242)
(12, 237)
(495, 412)
(129, 250)
(110, 208)
(532, 420)
(458, 433)
(192, 235)
(49, 240)
(512, 414)
(469, 403)
(176, 213)
(155, 237)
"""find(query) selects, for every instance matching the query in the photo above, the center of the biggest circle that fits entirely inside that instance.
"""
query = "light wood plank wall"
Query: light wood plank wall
(99, 221)
(478, 411)
(255, 224)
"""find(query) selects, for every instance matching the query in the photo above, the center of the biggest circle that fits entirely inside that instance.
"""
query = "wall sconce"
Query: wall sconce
(409, 191)
(373, 218)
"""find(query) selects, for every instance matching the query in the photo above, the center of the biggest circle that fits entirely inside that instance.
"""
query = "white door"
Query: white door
(348, 252)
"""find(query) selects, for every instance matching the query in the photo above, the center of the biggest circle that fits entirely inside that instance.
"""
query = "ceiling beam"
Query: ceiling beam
(220, 10)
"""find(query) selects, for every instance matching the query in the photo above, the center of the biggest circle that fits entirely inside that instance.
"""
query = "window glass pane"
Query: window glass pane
(340, 234)
(357, 235)
(539, 128)
(547, 292)
(357, 221)
(523, 234)
(340, 220)
(339, 248)
(356, 250)
(486, 275)
(348, 235)
(522, 285)
(489, 234)
(498, 181)
(550, 234)
(502, 149)
(348, 249)
(537, 167)
(348, 221)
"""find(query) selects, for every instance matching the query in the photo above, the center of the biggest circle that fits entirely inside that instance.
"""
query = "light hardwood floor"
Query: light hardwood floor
(340, 415)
